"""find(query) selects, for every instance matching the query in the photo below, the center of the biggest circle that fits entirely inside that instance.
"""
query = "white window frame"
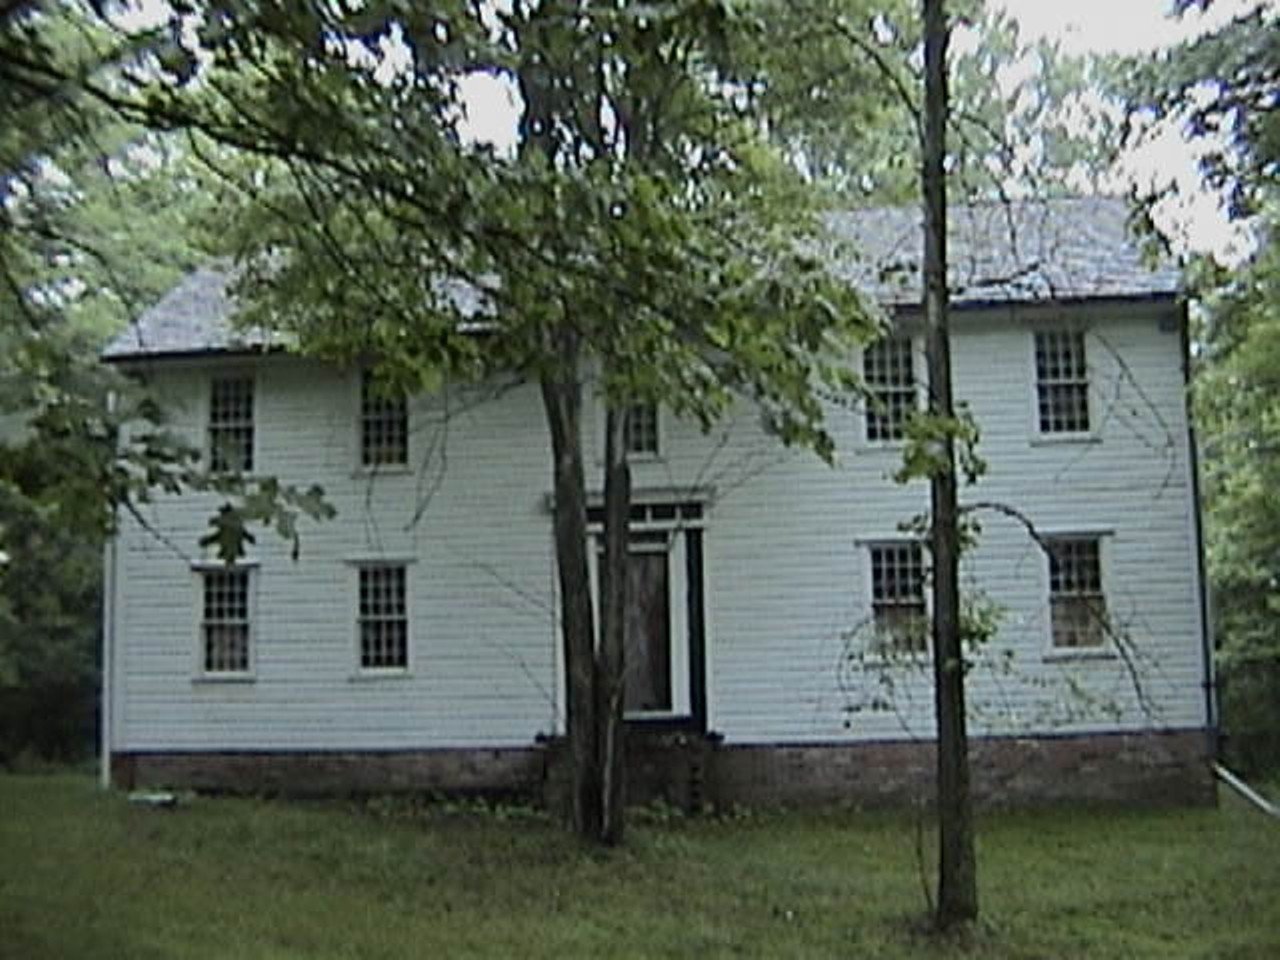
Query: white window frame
(360, 671)
(391, 467)
(207, 443)
(634, 456)
(889, 652)
(599, 410)
(677, 606)
(1038, 433)
(200, 571)
(917, 383)
(1105, 649)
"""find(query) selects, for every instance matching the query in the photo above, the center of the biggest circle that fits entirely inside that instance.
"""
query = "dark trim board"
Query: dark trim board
(697, 629)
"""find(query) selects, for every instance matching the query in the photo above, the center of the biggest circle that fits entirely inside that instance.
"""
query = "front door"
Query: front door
(657, 643)
(648, 631)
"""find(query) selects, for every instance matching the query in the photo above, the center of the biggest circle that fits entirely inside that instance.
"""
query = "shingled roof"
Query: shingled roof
(1027, 251)
(192, 318)
(1022, 252)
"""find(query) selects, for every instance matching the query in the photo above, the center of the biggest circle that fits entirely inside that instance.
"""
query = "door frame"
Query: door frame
(683, 522)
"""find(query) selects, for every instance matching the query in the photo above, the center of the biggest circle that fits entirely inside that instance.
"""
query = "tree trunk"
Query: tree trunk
(611, 653)
(957, 867)
(562, 398)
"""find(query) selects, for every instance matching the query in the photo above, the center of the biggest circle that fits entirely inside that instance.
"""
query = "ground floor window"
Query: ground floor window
(383, 619)
(897, 597)
(1077, 606)
(225, 627)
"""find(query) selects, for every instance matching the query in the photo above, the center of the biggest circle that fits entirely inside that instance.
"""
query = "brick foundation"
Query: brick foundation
(306, 774)
(1148, 768)
(692, 772)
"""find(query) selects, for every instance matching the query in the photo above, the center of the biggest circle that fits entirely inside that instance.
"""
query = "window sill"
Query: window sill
(913, 659)
(217, 679)
(373, 676)
(1055, 439)
(382, 470)
(879, 446)
(1078, 654)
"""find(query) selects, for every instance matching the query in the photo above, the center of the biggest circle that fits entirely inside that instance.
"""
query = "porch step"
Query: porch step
(673, 768)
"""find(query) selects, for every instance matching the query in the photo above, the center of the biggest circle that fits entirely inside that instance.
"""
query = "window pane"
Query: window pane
(383, 618)
(897, 597)
(231, 424)
(384, 425)
(640, 433)
(1077, 607)
(225, 626)
(1062, 381)
(889, 374)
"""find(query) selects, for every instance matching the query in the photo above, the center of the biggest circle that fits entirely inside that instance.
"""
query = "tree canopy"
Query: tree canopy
(1222, 90)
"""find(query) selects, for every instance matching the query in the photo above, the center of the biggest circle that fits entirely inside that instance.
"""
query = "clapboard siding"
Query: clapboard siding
(786, 567)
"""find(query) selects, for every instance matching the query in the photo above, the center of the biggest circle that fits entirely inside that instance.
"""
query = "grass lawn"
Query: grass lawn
(84, 874)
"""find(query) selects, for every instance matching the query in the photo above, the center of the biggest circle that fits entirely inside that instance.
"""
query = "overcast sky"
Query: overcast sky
(1117, 26)
(1139, 26)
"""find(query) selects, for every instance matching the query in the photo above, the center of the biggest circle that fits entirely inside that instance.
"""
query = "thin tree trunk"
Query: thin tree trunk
(957, 867)
(562, 398)
(611, 654)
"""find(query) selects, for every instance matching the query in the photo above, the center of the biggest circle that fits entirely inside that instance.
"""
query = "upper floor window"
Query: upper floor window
(231, 425)
(640, 435)
(383, 617)
(1077, 607)
(888, 370)
(384, 425)
(897, 597)
(225, 628)
(1062, 382)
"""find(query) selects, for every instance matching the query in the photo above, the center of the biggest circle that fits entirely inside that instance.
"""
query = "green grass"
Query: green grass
(86, 874)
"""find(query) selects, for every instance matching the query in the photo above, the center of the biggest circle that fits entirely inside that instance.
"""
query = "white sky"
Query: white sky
(1117, 26)
(1142, 26)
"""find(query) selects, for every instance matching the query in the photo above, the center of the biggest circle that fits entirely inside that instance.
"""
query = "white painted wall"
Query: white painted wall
(786, 567)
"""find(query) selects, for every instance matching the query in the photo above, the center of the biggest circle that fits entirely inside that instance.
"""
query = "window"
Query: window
(889, 373)
(640, 435)
(384, 425)
(897, 597)
(384, 618)
(231, 425)
(1062, 382)
(1077, 608)
(225, 626)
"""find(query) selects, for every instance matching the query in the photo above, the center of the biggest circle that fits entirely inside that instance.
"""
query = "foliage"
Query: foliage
(48, 635)
(656, 224)
(1221, 90)
(1021, 121)
(86, 874)
(96, 221)
(1237, 400)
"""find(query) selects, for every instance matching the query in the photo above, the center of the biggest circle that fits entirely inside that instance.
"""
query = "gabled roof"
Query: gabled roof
(1029, 251)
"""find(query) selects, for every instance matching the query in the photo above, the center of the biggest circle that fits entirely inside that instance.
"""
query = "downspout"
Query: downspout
(109, 561)
(1208, 678)
(108, 659)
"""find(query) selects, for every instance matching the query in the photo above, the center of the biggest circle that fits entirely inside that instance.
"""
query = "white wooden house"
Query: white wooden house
(414, 643)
